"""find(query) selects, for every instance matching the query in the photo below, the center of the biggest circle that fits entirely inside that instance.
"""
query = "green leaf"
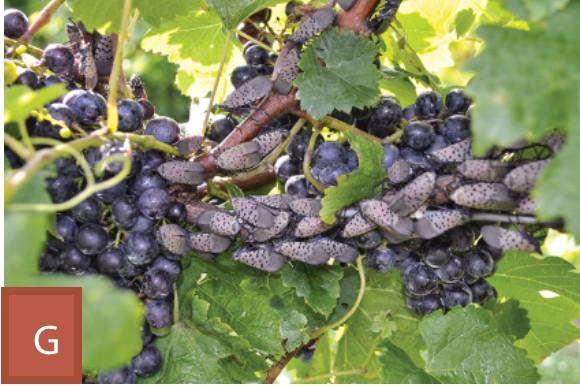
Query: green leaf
(550, 292)
(381, 314)
(511, 319)
(399, 85)
(194, 37)
(556, 192)
(465, 346)
(338, 73)
(535, 9)
(318, 285)
(103, 15)
(397, 367)
(562, 367)
(527, 97)
(366, 181)
(155, 12)
(418, 29)
(463, 21)
(293, 330)
(317, 369)
(20, 101)
(233, 13)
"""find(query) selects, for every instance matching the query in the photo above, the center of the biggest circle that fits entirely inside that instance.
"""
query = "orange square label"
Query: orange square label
(41, 335)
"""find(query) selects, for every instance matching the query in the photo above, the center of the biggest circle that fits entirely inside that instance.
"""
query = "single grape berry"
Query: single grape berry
(164, 129)
(124, 211)
(285, 168)
(424, 305)
(111, 261)
(15, 23)
(420, 279)
(131, 115)
(73, 261)
(61, 188)
(61, 112)
(158, 313)
(456, 295)
(148, 362)
(147, 179)
(156, 284)
(88, 107)
(59, 59)
(66, 227)
(428, 105)
(28, 78)
(457, 102)
(172, 268)
(297, 186)
(144, 225)
(391, 154)
(176, 212)
(242, 74)
(147, 107)
(88, 211)
(329, 153)
(452, 272)
(386, 118)
(437, 257)
(409, 112)
(369, 240)
(255, 55)
(141, 248)
(382, 259)
(48, 261)
(328, 176)
(418, 135)
(297, 147)
(125, 375)
(478, 265)
(91, 239)
(456, 128)
(153, 203)
(482, 291)
(221, 128)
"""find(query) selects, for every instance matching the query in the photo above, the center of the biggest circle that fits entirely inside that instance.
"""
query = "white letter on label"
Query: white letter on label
(54, 342)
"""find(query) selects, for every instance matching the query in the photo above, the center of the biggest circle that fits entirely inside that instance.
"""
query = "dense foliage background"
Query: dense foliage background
(520, 61)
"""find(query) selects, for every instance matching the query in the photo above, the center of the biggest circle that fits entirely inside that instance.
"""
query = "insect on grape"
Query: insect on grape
(413, 195)
(306, 252)
(264, 234)
(526, 205)
(399, 172)
(357, 226)
(174, 239)
(306, 206)
(137, 87)
(484, 195)
(261, 257)
(286, 70)
(269, 141)
(104, 54)
(379, 213)
(209, 242)
(189, 145)
(523, 178)
(483, 170)
(335, 250)
(310, 226)
(320, 20)
(182, 172)
(458, 152)
(252, 212)
(508, 240)
(275, 201)
(436, 222)
(254, 89)
(240, 157)
(220, 223)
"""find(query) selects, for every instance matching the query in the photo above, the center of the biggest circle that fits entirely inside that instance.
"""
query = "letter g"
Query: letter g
(54, 342)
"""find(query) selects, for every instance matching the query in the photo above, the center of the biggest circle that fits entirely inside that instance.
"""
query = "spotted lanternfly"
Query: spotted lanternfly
(261, 257)
(508, 240)
(209, 242)
(484, 195)
(523, 178)
(346, 4)
(286, 70)
(318, 22)
(310, 226)
(357, 226)
(137, 87)
(182, 172)
(254, 89)
(189, 145)
(335, 250)
(413, 195)
(88, 68)
(399, 172)
(264, 234)
(436, 222)
(269, 141)
(303, 251)
(174, 239)
(379, 213)
(458, 152)
(554, 141)
(526, 205)
(483, 170)
(75, 37)
(252, 212)
(240, 157)
(219, 223)
(104, 54)
(306, 206)
(275, 201)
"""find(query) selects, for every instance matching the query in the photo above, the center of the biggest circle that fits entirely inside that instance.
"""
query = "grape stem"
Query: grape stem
(496, 217)
(307, 161)
(17, 147)
(42, 19)
(216, 83)
(34, 51)
(255, 41)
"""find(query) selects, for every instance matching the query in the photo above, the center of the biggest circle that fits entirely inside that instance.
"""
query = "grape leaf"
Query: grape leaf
(382, 313)
(397, 367)
(293, 330)
(318, 285)
(103, 15)
(399, 85)
(156, 12)
(233, 13)
(364, 182)
(511, 319)
(556, 192)
(526, 98)
(550, 292)
(463, 21)
(318, 368)
(418, 29)
(535, 9)
(465, 346)
(338, 73)
(21, 100)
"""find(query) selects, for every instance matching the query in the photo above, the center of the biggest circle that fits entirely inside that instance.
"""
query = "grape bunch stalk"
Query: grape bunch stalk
(133, 203)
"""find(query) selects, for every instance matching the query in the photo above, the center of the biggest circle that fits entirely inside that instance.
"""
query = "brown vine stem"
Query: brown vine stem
(112, 115)
(216, 83)
(275, 370)
(42, 19)
(308, 160)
